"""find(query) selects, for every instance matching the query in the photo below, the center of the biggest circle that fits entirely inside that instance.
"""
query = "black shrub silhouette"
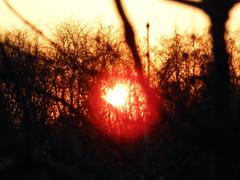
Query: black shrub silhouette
(45, 128)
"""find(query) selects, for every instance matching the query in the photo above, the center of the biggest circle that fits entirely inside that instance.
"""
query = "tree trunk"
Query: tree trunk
(220, 144)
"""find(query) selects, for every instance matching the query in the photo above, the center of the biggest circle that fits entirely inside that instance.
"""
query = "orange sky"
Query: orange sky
(164, 17)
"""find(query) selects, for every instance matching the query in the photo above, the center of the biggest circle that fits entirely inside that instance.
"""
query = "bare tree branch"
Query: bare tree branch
(189, 3)
(207, 6)
(131, 42)
(130, 37)
(32, 26)
(25, 21)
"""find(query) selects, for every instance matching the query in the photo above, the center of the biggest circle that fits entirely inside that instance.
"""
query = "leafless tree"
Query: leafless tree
(220, 134)
(51, 84)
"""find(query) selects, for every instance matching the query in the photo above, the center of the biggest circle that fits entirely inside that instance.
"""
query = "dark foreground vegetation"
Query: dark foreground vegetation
(45, 131)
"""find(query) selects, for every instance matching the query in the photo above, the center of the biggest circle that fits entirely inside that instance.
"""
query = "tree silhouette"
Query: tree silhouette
(220, 134)
(220, 89)
(45, 114)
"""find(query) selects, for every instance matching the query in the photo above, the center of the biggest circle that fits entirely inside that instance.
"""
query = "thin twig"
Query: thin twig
(33, 27)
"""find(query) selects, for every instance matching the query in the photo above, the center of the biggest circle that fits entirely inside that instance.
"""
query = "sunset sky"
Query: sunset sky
(164, 16)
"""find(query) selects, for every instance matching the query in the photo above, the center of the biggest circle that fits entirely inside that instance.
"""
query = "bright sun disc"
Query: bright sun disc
(117, 96)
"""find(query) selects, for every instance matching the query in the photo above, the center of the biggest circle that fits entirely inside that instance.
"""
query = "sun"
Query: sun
(121, 108)
(117, 96)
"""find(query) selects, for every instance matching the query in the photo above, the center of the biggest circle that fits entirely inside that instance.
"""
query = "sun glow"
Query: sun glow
(117, 96)
(120, 107)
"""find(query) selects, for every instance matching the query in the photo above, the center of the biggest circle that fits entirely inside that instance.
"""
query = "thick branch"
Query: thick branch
(129, 35)
(190, 3)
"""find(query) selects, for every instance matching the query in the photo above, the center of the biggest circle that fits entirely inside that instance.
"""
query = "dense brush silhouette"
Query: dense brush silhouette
(45, 130)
